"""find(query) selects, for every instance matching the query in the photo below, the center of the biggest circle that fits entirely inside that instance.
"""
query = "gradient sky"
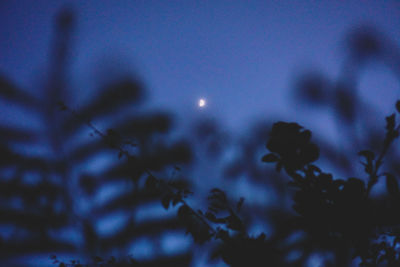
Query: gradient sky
(241, 56)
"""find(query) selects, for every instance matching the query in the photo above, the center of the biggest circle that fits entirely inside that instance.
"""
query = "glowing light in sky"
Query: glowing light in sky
(202, 102)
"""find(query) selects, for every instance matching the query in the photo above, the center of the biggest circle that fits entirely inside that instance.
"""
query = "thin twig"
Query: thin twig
(373, 178)
(124, 152)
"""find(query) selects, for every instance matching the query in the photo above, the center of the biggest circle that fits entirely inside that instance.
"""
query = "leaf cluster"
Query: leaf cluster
(337, 215)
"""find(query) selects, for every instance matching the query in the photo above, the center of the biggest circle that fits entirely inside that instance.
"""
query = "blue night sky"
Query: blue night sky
(242, 56)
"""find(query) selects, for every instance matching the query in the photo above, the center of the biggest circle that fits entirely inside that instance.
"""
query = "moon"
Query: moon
(202, 103)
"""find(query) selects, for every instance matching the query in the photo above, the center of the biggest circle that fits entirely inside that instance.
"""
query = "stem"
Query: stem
(373, 178)
(124, 152)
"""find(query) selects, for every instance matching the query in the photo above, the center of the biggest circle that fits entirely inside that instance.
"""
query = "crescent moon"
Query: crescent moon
(202, 102)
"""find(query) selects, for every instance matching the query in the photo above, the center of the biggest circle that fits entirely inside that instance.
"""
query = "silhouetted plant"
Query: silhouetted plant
(337, 215)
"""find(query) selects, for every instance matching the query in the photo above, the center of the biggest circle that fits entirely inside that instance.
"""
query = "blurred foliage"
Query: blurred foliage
(345, 221)
(336, 216)
(49, 195)
(50, 190)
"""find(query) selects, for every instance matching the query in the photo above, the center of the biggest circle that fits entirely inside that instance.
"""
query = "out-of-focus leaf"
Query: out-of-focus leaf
(184, 211)
(8, 135)
(369, 155)
(12, 93)
(88, 150)
(112, 97)
(364, 42)
(145, 125)
(234, 223)
(166, 200)
(151, 183)
(88, 183)
(217, 200)
(390, 122)
(240, 204)
(345, 103)
(313, 88)
(392, 185)
(131, 231)
(270, 158)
